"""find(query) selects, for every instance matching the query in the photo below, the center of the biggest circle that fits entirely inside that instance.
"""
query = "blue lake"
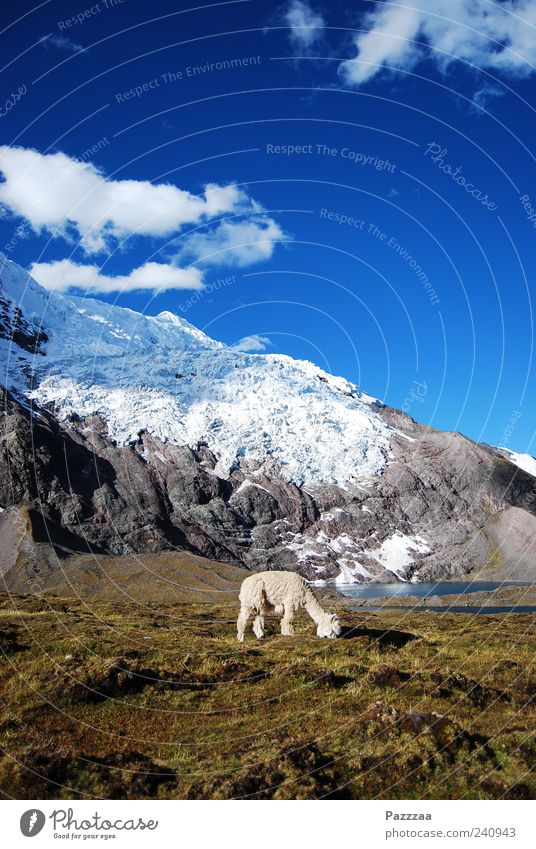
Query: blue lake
(383, 592)
(425, 590)
(527, 608)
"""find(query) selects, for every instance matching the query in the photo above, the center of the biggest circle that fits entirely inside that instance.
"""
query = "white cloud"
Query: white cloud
(253, 343)
(234, 243)
(65, 274)
(305, 25)
(61, 42)
(491, 35)
(484, 96)
(57, 193)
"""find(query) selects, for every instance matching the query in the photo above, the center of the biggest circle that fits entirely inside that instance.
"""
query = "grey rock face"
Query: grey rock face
(21, 332)
(461, 505)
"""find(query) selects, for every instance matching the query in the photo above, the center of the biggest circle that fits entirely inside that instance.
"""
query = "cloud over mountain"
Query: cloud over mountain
(65, 274)
(71, 198)
(253, 344)
(234, 243)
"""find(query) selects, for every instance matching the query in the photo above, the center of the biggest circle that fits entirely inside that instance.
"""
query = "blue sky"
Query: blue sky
(350, 183)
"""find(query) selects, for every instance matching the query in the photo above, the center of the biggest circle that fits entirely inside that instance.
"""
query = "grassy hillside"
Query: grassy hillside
(113, 700)
(28, 566)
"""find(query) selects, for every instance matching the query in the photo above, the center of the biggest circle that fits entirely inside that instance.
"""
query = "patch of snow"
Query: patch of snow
(423, 547)
(524, 461)
(404, 436)
(304, 548)
(395, 552)
(246, 484)
(346, 575)
(329, 515)
(350, 570)
(322, 537)
(342, 543)
(342, 549)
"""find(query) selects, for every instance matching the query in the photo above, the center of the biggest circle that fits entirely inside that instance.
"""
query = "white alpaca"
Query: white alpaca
(281, 593)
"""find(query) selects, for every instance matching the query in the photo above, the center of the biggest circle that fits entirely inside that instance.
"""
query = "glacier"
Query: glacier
(161, 375)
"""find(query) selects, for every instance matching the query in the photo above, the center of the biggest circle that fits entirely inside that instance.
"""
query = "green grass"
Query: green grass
(407, 705)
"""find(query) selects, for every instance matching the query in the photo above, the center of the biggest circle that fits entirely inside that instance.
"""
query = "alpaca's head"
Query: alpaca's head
(329, 627)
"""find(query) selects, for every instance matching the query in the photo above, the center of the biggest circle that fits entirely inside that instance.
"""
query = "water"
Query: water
(443, 588)
(425, 590)
(522, 608)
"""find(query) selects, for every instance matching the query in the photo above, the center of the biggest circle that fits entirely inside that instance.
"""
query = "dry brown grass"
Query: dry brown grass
(149, 700)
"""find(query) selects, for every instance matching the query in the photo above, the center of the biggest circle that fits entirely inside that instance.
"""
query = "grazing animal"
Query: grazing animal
(282, 593)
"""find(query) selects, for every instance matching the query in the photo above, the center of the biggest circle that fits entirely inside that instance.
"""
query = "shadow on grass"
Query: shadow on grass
(385, 638)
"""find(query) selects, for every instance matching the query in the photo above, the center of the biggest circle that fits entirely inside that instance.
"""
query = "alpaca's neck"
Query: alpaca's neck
(313, 607)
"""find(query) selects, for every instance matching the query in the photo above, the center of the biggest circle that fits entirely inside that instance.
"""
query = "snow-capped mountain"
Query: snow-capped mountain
(127, 433)
(523, 461)
(162, 375)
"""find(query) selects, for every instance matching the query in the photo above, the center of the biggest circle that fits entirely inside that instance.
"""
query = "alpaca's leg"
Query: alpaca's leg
(286, 623)
(258, 625)
(243, 616)
(258, 622)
